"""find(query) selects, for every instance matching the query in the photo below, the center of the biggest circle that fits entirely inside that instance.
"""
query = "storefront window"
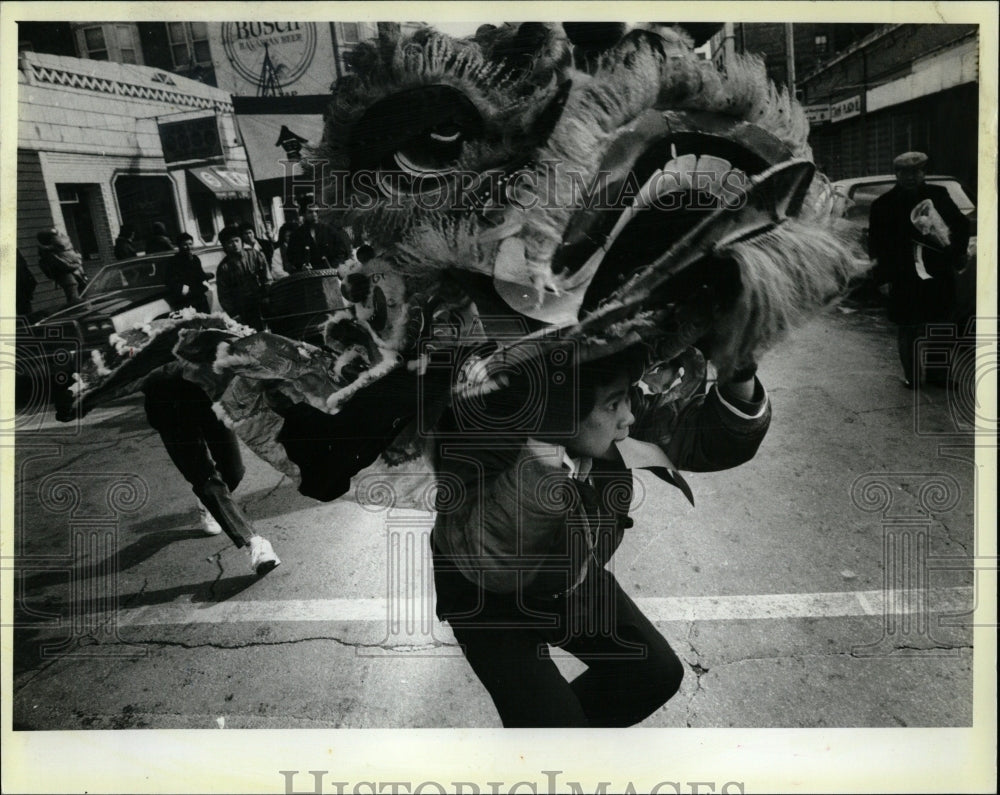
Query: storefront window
(144, 200)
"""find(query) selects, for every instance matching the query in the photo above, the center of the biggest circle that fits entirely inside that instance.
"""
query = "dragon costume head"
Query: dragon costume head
(586, 180)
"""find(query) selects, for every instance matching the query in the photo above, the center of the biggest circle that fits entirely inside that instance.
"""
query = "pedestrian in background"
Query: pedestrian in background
(262, 245)
(241, 279)
(918, 238)
(158, 240)
(317, 246)
(185, 278)
(62, 263)
(292, 221)
(125, 243)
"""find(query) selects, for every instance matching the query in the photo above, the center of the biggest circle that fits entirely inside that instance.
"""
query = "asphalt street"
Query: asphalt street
(827, 583)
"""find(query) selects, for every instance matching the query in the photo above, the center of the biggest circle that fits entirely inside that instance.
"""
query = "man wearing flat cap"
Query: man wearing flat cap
(918, 237)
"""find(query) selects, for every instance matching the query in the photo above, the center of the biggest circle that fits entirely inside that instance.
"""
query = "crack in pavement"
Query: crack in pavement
(699, 672)
(898, 652)
(699, 669)
(401, 648)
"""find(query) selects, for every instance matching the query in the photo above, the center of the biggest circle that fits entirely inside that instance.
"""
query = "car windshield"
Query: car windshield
(864, 194)
(128, 276)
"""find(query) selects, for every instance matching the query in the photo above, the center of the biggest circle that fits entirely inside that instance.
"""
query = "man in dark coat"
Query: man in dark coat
(185, 278)
(316, 246)
(918, 237)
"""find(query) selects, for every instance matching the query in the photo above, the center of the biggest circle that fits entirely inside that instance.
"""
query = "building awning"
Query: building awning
(223, 182)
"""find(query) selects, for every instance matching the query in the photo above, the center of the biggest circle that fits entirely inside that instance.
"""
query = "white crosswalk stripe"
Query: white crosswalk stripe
(940, 601)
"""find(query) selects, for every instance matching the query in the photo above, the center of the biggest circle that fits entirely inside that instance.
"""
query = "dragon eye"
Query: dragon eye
(417, 132)
(434, 152)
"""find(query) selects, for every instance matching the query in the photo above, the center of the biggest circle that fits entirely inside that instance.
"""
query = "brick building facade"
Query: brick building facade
(904, 87)
(813, 44)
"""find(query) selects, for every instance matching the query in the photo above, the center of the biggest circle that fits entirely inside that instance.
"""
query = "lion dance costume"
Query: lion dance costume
(513, 186)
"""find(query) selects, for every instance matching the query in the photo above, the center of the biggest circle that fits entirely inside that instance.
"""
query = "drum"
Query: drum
(297, 305)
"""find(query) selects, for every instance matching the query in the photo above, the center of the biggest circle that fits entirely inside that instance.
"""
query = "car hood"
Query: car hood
(107, 305)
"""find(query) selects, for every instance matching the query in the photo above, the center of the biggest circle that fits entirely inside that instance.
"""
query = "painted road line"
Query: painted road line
(938, 601)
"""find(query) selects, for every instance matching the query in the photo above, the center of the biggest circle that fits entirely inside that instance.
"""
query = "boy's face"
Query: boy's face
(608, 422)
(232, 245)
(184, 245)
(249, 237)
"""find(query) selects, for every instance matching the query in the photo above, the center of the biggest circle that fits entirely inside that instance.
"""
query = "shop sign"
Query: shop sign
(817, 114)
(845, 109)
(271, 58)
(190, 139)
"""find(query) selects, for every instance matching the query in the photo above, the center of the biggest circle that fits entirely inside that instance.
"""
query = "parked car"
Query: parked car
(131, 292)
(119, 296)
(859, 193)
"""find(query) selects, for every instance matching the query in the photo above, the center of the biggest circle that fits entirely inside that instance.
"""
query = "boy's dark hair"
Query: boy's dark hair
(247, 225)
(228, 233)
(183, 237)
(591, 375)
(555, 394)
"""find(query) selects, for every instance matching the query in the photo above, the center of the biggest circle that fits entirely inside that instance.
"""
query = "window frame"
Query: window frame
(189, 44)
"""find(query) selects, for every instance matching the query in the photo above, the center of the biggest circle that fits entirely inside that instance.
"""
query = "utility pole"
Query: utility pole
(728, 43)
(790, 59)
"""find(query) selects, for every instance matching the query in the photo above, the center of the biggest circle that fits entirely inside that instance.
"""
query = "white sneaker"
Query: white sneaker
(208, 523)
(262, 557)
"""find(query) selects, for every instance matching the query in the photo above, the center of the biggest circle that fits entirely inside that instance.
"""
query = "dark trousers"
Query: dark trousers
(202, 448)
(632, 671)
(70, 287)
